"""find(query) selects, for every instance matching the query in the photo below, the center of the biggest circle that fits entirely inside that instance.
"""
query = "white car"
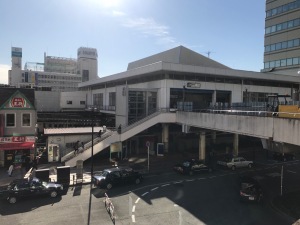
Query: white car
(236, 162)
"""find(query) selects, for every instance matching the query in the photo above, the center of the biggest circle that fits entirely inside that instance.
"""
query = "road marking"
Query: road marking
(201, 178)
(189, 180)
(145, 193)
(164, 185)
(291, 171)
(133, 218)
(153, 189)
(137, 200)
(177, 182)
(133, 208)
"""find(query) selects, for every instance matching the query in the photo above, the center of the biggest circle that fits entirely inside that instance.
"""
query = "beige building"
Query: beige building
(282, 36)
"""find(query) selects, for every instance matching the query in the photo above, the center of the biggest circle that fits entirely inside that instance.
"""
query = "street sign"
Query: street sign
(148, 144)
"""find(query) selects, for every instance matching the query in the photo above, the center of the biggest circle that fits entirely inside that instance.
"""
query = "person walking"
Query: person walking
(10, 170)
(99, 133)
(34, 163)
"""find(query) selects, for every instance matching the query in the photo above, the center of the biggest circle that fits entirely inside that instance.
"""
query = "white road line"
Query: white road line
(153, 189)
(145, 194)
(136, 202)
(164, 185)
(133, 218)
(189, 180)
(177, 182)
(133, 208)
(291, 171)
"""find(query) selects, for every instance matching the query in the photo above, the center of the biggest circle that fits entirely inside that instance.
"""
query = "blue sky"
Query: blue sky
(123, 31)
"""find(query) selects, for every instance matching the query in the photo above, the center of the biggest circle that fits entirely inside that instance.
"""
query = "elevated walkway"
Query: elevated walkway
(110, 137)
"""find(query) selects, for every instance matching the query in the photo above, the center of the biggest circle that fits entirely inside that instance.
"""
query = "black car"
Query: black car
(116, 176)
(28, 188)
(250, 190)
(283, 156)
(191, 166)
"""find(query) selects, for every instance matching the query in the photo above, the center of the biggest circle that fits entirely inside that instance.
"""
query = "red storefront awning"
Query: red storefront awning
(16, 146)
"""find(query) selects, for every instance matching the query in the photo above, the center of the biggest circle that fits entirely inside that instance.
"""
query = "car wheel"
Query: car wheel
(53, 194)
(250, 165)
(109, 186)
(233, 168)
(137, 181)
(12, 200)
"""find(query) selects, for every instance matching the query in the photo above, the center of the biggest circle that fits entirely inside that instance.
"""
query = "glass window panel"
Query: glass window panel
(268, 13)
(273, 47)
(26, 120)
(278, 27)
(283, 62)
(268, 30)
(267, 65)
(277, 63)
(284, 45)
(289, 62)
(272, 64)
(296, 22)
(267, 48)
(290, 44)
(284, 26)
(10, 120)
(278, 46)
(273, 29)
(290, 24)
(296, 42)
(295, 61)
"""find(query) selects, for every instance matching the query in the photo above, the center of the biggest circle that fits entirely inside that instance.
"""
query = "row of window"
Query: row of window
(10, 120)
(98, 99)
(283, 8)
(282, 63)
(282, 45)
(69, 102)
(60, 77)
(283, 26)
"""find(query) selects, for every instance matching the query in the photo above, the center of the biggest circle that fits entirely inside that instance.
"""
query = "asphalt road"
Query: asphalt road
(170, 198)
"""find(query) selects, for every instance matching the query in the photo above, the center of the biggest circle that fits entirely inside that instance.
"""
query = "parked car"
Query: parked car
(191, 166)
(116, 176)
(250, 190)
(235, 162)
(29, 188)
(283, 156)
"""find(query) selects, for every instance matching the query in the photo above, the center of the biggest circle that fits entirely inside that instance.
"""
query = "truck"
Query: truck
(235, 162)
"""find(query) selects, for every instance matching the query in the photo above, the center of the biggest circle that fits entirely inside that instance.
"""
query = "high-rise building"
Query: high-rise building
(282, 36)
(55, 73)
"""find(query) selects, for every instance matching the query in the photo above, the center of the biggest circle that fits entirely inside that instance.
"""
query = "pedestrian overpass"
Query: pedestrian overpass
(258, 124)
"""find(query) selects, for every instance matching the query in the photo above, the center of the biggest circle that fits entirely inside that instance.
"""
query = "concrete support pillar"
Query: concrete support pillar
(202, 146)
(165, 136)
(214, 98)
(236, 144)
(137, 146)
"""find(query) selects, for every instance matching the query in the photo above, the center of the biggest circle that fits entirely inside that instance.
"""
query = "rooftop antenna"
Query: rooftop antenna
(208, 53)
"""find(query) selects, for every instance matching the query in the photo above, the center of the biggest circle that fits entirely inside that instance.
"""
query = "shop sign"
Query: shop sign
(17, 139)
(17, 102)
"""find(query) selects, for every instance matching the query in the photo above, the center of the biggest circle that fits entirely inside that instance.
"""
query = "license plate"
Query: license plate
(251, 198)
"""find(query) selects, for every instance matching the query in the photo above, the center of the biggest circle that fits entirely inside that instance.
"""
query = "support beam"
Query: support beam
(165, 136)
(236, 145)
(202, 146)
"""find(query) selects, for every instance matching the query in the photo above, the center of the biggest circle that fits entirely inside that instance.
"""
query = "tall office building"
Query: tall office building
(282, 36)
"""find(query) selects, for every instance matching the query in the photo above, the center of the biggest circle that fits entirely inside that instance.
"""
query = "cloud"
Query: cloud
(118, 13)
(150, 28)
(4, 73)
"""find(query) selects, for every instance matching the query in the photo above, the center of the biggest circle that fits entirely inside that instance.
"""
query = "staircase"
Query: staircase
(109, 137)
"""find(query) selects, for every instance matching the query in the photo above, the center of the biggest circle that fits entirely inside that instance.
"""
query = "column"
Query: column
(202, 146)
(236, 145)
(214, 98)
(165, 136)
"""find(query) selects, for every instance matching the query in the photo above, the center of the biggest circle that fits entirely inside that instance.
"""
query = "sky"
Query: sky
(123, 31)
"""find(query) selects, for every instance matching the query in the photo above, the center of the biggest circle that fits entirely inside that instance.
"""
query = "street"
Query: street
(169, 198)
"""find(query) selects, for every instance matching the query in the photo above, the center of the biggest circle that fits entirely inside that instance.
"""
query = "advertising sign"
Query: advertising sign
(116, 147)
(17, 102)
(160, 149)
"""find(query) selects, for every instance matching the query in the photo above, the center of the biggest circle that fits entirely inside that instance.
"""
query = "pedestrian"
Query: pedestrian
(34, 163)
(76, 146)
(10, 170)
(82, 145)
(119, 129)
(99, 133)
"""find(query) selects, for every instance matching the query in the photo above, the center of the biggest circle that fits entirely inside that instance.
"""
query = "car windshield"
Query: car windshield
(104, 173)
(186, 164)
